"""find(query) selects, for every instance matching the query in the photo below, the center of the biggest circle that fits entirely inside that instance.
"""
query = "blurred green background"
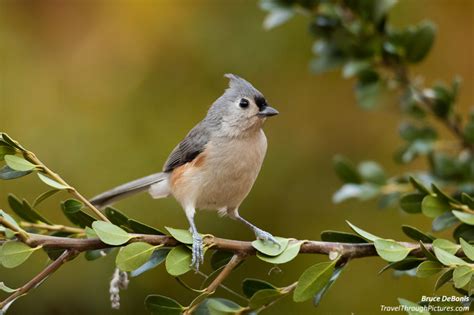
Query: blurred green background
(102, 91)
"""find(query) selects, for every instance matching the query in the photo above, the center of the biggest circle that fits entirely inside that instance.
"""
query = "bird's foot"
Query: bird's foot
(198, 251)
(266, 237)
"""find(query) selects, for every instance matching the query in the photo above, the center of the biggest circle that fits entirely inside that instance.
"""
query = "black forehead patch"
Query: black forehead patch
(260, 102)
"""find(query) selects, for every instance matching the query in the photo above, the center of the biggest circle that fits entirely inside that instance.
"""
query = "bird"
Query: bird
(215, 166)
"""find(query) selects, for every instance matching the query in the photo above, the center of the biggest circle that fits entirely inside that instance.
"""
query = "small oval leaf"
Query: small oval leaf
(134, 255)
(270, 248)
(178, 261)
(110, 234)
(313, 280)
(18, 163)
(13, 253)
(51, 182)
(391, 250)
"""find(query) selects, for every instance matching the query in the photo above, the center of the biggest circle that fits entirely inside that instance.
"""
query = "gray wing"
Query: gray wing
(188, 149)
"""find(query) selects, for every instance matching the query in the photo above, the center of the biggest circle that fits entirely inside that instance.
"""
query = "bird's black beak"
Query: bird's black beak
(267, 112)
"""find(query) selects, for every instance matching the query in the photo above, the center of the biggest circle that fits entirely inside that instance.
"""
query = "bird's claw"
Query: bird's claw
(266, 237)
(198, 252)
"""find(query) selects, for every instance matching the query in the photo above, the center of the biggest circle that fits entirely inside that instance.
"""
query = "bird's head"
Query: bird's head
(242, 107)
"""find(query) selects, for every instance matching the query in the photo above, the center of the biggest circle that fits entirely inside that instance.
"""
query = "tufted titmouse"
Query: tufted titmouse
(216, 164)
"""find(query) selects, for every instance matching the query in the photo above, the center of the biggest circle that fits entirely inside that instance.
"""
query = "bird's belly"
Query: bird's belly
(224, 178)
(226, 187)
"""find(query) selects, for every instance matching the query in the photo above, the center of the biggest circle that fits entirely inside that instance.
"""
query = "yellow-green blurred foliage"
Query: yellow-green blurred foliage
(103, 90)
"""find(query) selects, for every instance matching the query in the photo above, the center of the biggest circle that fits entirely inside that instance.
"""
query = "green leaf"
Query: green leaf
(368, 90)
(428, 254)
(6, 289)
(8, 218)
(462, 275)
(116, 217)
(413, 306)
(362, 233)
(391, 250)
(220, 258)
(345, 170)
(270, 248)
(7, 173)
(110, 234)
(94, 254)
(319, 295)
(372, 172)
(6, 138)
(178, 261)
(219, 306)
(134, 255)
(14, 253)
(19, 164)
(465, 217)
(432, 206)
(428, 268)
(403, 265)
(360, 191)
(416, 234)
(467, 200)
(25, 211)
(277, 17)
(287, 255)
(446, 258)
(443, 196)
(444, 221)
(445, 277)
(263, 297)
(354, 67)
(313, 280)
(420, 42)
(464, 231)
(6, 150)
(162, 305)
(252, 286)
(419, 186)
(156, 259)
(467, 248)
(183, 236)
(51, 182)
(139, 227)
(72, 210)
(411, 203)
(44, 196)
(341, 237)
(446, 245)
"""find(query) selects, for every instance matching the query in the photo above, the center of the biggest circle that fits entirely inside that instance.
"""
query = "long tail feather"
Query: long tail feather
(127, 189)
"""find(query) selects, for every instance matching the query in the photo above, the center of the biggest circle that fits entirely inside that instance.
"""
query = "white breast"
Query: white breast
(226, 175)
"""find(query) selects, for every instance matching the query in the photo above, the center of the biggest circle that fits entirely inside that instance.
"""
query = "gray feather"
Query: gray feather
(127, 189)
(188, 149)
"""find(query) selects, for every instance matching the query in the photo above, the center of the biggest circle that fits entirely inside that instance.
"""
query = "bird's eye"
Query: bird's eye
(244, 103)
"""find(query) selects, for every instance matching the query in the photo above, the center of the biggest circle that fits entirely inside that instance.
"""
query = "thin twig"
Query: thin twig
(224, 287)
(211, 288)
(20, 233)
(55, 227)
(38, 279)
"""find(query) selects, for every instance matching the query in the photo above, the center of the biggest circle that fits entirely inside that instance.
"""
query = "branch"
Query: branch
(347, 251)
(38, 279)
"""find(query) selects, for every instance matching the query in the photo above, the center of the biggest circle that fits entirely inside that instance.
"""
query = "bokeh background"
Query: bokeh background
(103, 90)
